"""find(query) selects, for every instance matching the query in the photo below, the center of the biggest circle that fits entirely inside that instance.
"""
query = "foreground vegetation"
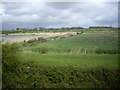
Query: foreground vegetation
(87, 60)
(29, 74)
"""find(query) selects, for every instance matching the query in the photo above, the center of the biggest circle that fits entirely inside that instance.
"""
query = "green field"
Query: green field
(74, 60)
(86, 42)
(87, 60)
(78, 50)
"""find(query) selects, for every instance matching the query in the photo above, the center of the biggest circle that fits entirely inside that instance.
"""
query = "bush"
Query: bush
(42, 50)
(10, 57)
(80, 32)
(35, 41)
(31, 42)
(42, 39)
(41, 76)
(10, 64)
(101, 51)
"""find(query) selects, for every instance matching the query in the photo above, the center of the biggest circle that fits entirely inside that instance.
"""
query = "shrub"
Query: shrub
(43, 50)
(31, 42)
(10, 57)
(41, 76)
(10, 64)
(82, 32)
(77, 33)
(42, 39)
(35, 41)
(101, 51)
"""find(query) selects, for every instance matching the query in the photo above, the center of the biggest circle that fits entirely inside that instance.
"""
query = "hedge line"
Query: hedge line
(31, 75)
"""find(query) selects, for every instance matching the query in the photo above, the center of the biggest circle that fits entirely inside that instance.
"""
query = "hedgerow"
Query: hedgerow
(38, 76)
(32, 75)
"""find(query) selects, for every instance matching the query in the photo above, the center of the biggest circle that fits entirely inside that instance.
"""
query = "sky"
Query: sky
(58, 14)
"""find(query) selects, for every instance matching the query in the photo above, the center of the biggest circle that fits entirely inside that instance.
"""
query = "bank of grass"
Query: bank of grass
(83, 43)
(88, 60)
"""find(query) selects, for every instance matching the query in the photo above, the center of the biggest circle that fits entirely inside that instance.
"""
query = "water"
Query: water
(13, 37)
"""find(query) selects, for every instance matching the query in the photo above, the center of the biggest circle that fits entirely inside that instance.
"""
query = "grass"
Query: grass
(86, 41)
(72, 59)
(82, 42)
(64, 70)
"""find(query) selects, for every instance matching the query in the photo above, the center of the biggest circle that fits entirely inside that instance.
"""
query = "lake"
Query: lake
(13, 37)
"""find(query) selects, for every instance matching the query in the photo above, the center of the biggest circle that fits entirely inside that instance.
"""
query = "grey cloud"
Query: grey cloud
(58, 14)
(61, 5)
(12, 5)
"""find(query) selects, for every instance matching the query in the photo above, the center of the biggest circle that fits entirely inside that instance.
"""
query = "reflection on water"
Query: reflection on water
(12, 37)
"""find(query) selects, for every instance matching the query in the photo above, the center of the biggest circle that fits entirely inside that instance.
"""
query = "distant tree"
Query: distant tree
(100, 27)
(79, 27)
(17, 29)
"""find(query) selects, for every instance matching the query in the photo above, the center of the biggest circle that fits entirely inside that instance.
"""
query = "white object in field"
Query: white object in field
(28, 67)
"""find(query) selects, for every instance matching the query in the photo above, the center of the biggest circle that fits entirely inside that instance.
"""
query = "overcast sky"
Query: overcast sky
(58, 14)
